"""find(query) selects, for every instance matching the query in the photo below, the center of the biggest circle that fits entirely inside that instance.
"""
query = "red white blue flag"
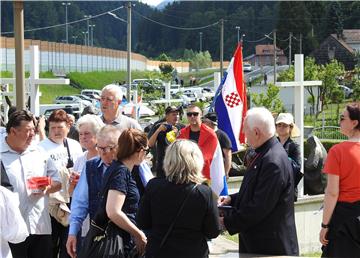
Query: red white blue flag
(231, 103)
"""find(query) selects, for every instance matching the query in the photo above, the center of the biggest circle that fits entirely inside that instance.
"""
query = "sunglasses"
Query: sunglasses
(192, 114)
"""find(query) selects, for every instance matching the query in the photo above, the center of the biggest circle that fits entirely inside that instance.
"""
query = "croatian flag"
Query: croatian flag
(213, 169)
(230, 104)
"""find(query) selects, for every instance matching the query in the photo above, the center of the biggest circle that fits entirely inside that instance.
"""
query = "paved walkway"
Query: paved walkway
(222, 247)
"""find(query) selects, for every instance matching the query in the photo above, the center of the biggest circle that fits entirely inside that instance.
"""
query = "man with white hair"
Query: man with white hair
(263, 213)
(111, 97)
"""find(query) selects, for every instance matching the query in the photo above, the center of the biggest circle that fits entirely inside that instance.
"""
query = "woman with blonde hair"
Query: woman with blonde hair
(179, 211)
(340, 227)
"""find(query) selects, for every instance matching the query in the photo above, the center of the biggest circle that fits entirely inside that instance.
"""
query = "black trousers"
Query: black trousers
(344, 231)
(59, 237)
(34, 246)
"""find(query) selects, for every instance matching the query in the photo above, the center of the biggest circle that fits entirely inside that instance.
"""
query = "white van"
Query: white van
(91, 93)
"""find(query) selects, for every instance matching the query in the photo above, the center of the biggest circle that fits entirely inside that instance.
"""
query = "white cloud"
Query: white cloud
(151, 2)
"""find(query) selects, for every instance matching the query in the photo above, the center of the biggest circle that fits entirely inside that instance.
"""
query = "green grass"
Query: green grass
(234, 238)
(317, 254)
(196, 74)
(97, 80)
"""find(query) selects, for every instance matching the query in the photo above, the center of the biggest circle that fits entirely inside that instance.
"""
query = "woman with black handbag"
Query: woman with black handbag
(179, 212)
(113, 231)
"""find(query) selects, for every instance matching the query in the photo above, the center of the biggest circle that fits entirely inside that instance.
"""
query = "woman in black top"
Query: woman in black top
(123, 196)
(198, 220)
(286, 129)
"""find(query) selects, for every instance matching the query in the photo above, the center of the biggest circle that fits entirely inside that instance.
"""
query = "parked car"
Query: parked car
(71, 100)
(247, 67)
(347, 91)
(74, 109)
(91, 93)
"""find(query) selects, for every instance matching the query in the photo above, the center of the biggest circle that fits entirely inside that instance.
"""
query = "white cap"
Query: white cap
(285, 118)
(288, 119)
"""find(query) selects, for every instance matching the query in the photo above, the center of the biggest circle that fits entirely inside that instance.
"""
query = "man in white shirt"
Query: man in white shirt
(23, 161)
(12, 225)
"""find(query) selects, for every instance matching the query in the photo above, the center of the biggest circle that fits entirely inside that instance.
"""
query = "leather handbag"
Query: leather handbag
(104, 237)
(102, 242)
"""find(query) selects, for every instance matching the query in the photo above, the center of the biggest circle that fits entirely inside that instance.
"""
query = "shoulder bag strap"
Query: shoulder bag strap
(70, 162)
(176, 216)
(5, 182)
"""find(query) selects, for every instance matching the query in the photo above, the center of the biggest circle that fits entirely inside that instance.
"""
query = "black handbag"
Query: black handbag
(102, 242)
(104, 237)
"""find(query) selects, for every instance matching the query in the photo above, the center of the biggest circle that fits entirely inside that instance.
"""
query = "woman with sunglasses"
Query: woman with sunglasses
(340, 227)
(286, 129)
(123, 195)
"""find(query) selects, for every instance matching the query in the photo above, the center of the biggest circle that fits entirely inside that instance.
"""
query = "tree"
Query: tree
(201, 60)
(329, 75)
(166, 70)
(271, 100)
(163, 57)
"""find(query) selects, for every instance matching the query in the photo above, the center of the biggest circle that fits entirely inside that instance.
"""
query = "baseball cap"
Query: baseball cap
(288, 119)
(170, 109)
(212, 117)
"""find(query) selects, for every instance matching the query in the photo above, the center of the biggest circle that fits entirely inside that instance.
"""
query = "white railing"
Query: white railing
(329, 133)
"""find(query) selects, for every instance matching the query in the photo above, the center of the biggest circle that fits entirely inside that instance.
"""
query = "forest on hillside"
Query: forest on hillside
(171, 30)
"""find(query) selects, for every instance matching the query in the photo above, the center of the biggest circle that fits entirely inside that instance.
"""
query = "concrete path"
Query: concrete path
(222, 247)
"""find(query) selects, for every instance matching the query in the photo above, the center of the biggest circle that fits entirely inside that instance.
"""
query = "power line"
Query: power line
(63, 24)
(254, 41)
(175, 27)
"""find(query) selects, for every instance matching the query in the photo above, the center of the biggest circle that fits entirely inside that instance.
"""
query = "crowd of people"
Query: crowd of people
(100, 199)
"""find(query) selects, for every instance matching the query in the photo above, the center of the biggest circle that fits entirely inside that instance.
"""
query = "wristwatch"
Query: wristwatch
(324, 225)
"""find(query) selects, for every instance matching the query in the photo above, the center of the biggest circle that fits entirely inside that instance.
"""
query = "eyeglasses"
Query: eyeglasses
(192, 114)
(106, 149)
(146, 150)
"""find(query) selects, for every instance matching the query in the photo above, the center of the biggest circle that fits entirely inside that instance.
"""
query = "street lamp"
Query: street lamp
(85, 38)
(242, 38)
(200, 33)
(128, 22)
(87, 27)
(66, 21)
(92, 34)
(74, 37)
(238, 33)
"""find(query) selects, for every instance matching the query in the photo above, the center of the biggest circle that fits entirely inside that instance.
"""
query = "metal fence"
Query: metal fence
(329, 133)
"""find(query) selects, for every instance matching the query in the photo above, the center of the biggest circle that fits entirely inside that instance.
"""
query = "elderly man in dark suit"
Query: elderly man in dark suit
(263, 210)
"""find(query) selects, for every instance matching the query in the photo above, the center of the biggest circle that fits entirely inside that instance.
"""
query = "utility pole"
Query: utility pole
(221, 46)
(87, 28)
(74, 37)
(238, 33)
(200, 33)
(66, 21)
(128, 51)
(300, 43)
(19, 54)
(92, 34)
(274, 56)
(290, 49)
